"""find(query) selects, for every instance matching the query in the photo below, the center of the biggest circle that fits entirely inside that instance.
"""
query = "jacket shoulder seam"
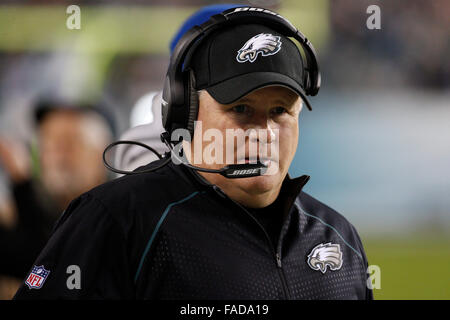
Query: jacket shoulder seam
(332, 228)
(158, 225)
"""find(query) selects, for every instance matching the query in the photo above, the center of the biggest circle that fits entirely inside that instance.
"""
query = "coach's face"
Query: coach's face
(273, 112)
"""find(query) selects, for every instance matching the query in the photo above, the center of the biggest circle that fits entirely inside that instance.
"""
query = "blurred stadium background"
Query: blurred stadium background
(377, 144)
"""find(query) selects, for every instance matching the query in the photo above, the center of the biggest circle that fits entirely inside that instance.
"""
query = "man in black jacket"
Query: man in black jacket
(180, 232)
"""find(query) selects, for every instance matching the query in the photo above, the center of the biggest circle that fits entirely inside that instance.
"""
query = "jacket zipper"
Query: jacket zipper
(282, 276)
(276, 254)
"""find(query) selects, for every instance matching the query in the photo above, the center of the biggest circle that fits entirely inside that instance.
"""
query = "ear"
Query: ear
(302, 104)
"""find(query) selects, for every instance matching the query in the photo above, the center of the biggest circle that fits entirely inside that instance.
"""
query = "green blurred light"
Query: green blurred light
(412, 268)
(125, 29)
(104, 29)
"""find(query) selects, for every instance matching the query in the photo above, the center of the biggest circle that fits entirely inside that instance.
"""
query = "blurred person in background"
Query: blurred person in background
(146, 127)
(70, 141)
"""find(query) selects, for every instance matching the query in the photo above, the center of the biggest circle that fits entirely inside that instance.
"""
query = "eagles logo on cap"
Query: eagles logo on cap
(232, 62)
(264, 43)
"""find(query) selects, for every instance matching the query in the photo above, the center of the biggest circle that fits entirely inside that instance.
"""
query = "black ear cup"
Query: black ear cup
(313, 72)
(193, 104)
(165, 105)
(175, 103)
(317, 85)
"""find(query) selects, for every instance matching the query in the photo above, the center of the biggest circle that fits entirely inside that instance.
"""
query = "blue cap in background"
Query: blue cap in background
(200, 17)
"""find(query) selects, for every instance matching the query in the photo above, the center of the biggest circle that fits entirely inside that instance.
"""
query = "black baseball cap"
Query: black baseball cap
(232, 62)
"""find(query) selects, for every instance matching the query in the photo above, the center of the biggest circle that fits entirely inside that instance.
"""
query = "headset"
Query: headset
(179, 103)
(180, 100)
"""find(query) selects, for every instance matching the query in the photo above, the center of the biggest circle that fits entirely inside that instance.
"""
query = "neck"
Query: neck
(249, 192)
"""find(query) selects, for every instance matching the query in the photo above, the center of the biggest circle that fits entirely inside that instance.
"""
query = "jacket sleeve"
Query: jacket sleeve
(85, 257)
(369, 290)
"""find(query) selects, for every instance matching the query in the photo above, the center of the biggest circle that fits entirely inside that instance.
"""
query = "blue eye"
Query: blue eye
(279, 110)
(242, 108)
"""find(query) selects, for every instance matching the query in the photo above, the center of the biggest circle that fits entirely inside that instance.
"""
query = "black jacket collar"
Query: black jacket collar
(291, 187)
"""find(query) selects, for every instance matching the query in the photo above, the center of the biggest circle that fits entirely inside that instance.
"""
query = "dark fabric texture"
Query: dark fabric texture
(21, 244)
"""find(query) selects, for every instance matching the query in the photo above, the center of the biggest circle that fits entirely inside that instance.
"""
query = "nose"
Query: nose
(265, 132)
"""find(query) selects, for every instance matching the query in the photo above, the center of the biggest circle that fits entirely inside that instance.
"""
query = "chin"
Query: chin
(258, 191)
(261, 184)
